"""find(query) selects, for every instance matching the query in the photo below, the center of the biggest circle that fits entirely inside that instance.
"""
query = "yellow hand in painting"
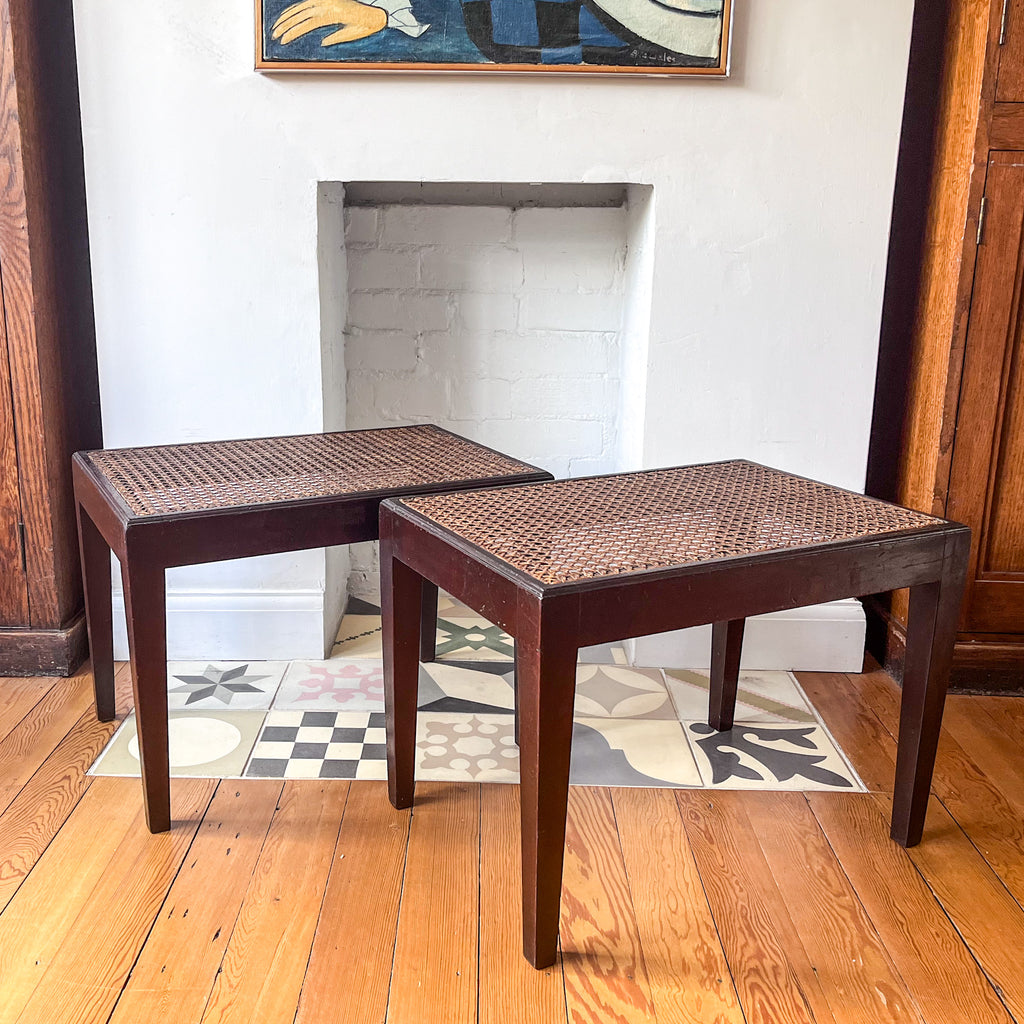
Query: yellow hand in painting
(356, 20)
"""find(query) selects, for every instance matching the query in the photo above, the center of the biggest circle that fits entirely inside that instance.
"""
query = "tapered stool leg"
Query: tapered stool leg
(146, 612)
(98, 612)
(931, 631)
(428, 622)
(401, 592)
(546, 679)
(726, 646)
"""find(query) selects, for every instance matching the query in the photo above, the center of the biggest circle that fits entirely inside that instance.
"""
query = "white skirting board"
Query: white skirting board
(819, 638)
(256, 625)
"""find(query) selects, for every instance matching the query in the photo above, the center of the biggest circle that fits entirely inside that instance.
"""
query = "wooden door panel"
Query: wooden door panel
(13, 580)
(987, 477)
(1010, 83)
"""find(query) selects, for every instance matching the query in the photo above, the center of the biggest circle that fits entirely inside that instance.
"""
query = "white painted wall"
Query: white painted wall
(770, 206)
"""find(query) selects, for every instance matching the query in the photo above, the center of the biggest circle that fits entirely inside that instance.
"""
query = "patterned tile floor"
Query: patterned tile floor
(633, 726)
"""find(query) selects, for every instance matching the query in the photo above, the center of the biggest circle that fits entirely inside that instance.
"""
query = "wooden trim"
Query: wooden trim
(52, 652)
(991, 664)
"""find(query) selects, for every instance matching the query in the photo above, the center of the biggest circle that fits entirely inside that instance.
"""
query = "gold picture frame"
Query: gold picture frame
(593, 37)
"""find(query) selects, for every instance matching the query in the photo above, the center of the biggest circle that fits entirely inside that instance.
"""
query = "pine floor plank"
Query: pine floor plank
(509, 986)
(988, 918)
(686, 965)
(176, 970)
(605, 977)
(349, 969)
(66, 959)
(998, 754)
(19, 695)
(434, 978)
(773, 974)
(946, 982)
(977, 799)
(37, 813)
(37, 734)
(859, 980)
(1008, 713)
(269, 948)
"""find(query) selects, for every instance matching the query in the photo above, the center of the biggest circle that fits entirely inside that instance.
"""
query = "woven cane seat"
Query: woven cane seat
(573, 530)
(186, 478)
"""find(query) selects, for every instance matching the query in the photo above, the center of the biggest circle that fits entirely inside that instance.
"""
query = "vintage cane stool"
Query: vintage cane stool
(577, 562)
(191, 503)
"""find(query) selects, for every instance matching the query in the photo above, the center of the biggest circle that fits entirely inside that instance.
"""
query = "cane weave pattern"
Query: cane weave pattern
(222, 474)
(581, 529)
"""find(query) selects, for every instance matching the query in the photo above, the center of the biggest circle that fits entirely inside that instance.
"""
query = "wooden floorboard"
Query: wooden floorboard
(317, 902)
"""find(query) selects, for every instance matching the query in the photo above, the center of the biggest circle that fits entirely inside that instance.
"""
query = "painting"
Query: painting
(680, 37)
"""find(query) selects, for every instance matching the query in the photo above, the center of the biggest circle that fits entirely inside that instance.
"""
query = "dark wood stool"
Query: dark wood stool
(578, 562)
(191, 503)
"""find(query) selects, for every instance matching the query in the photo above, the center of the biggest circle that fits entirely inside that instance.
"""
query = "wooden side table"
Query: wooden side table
(578, 562)
(186, 504)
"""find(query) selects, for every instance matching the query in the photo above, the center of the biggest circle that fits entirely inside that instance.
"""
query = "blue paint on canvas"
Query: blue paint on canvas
(445, 41)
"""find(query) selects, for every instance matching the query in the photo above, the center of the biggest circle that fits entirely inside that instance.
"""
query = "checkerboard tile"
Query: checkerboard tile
(320, 745)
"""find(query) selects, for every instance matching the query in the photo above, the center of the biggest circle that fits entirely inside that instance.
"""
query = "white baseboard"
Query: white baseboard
(261, 625)
(820, 638)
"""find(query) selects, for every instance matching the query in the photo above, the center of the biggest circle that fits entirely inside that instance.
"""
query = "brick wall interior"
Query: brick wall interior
(502, 324)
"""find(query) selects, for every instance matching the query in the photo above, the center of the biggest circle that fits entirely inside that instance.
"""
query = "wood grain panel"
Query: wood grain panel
(435, 967)
(1010, 85)
(773, 974)
(837, 934)
(506, 979)
(1007, 131)
(947, 984)
(686, 965)
(350, 964)
(605, 977)
(179, 964)
(112, 876)
(269, 948)
(38, 812)
(13, 580)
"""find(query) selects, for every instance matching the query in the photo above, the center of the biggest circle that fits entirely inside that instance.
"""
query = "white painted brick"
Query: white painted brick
(570, 226)
(446, 225)
(541, 441)
(472, 269)
(370, 269)
(518, 355)
(480, 398)
(592, 466)
(584, 397)
(591, 268)
(409, 397)
(567, 311)
(360, 410)
(393, 311)
(457, 352)
(361, 225)
(380, 350)
(480, 312)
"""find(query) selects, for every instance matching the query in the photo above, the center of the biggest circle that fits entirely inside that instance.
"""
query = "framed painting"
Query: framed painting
(678, 37)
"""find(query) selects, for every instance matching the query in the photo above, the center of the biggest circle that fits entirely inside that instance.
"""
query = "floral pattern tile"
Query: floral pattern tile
(631, 752)
(341, 684)
(776, 757)
(466, 748)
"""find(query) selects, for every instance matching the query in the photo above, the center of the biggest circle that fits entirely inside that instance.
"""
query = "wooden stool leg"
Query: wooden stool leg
(726, 645)
(401, 594)
(98, 612)
(428, 621)
(546, 682)
(146, 612)
(931, 631)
